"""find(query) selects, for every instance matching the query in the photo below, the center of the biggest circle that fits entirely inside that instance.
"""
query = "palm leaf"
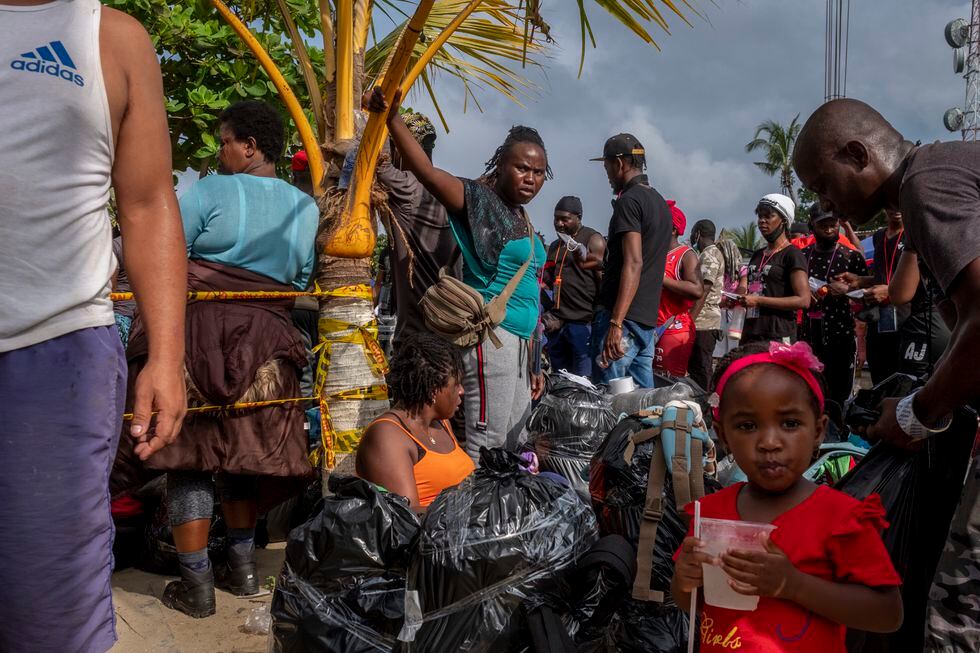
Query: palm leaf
(482, 53)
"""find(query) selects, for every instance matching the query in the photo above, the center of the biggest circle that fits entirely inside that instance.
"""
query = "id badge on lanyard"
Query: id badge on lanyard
(887, 319)
(755, 288)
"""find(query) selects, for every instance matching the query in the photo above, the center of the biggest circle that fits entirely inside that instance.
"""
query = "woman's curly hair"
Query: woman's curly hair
(423, 365)
(260, 121)
(759, 348)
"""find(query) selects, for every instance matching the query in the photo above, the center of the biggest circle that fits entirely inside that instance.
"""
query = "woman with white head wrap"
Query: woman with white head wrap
(774, 285)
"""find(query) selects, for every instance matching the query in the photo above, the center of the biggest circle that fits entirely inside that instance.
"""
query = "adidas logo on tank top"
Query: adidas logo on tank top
(50, 59)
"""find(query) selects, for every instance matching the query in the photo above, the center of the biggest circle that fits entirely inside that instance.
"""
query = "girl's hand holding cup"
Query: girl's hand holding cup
(761, 573)
(687, 571)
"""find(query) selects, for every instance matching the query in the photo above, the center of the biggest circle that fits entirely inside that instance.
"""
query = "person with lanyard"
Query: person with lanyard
(899, 329)
(623, 332)
(706, 311)
(496, 242)
(924, 335)
(573, 271)
(410, 450)
(774, 285)
(828, 325)
(682, 287)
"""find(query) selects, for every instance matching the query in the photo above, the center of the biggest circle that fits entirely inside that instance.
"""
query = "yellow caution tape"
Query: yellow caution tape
(358, 291)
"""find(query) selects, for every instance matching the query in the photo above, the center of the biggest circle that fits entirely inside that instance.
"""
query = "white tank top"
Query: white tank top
(56, 153)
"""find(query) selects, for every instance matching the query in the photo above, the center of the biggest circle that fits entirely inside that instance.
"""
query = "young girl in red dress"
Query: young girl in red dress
(824, 568)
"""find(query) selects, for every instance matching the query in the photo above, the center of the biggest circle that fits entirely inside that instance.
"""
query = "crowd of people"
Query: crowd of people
(630, 300)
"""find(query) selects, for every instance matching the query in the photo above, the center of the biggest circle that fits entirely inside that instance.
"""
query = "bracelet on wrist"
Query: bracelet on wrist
(614, 323)
(912, 425)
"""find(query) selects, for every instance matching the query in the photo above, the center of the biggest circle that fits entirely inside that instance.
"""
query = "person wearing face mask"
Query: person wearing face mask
(573, 272)
(774, 285)
(828, 325)
(495, 239)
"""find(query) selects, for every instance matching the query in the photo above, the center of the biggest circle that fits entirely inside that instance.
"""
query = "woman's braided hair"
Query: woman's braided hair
(759, 348)
(517, 134)
(423, 365)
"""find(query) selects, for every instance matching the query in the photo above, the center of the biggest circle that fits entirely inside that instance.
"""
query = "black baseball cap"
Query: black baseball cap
(817, 214)
(621, 145)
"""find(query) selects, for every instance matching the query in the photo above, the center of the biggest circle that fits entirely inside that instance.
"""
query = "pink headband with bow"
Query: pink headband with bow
(797, 358)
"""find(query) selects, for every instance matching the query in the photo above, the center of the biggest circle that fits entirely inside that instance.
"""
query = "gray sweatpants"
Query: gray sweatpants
(497, 399)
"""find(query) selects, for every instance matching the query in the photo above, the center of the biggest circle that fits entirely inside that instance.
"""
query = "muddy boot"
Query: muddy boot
(193, 594)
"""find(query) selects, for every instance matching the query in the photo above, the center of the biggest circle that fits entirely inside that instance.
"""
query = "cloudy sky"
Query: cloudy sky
(696, 104)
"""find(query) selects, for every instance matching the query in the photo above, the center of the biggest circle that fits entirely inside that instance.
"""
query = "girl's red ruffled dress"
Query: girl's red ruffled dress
(829, 535)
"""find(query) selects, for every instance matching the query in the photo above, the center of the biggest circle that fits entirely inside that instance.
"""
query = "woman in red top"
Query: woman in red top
(411, 450)
(824, 568)
(682, 287)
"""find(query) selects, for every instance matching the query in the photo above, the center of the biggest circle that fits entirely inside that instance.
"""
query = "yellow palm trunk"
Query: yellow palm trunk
(355, 237)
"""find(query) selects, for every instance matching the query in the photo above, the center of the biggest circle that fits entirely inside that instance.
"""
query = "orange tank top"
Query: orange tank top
(436, 471)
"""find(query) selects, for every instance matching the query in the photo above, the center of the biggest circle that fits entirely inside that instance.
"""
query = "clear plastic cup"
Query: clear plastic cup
(736, 322)
(720, 536)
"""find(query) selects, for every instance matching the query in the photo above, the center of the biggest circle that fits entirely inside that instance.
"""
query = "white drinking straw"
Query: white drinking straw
(694, 593)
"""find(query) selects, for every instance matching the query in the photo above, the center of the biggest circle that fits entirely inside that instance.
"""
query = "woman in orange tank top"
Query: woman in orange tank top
(410, 450)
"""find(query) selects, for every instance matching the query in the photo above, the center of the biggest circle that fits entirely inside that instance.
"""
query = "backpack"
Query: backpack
(458, 313)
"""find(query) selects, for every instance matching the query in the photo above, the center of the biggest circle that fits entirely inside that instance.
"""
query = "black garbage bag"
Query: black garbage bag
(342, 586)
(600, 585)
(920, 491)
(491, 550)
(618, 496)
(567, 427)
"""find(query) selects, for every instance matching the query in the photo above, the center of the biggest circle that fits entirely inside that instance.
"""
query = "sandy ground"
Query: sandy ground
(145, 626)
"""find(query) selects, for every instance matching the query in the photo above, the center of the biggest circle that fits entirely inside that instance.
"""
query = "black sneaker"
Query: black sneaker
(241, 580)
(193, 599)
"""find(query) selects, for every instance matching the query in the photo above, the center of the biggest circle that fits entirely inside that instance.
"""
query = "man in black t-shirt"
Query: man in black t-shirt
(858, 164)
(774, 286)
(633, 274)
(828, 325)
(572, 272)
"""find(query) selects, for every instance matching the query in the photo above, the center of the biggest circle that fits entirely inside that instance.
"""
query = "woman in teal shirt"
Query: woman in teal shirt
(488, 221)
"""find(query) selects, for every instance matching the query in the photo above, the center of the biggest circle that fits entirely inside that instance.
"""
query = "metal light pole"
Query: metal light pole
(971, 121)
(964, 38)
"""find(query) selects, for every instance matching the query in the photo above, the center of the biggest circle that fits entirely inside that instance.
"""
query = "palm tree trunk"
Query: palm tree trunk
(348, 365)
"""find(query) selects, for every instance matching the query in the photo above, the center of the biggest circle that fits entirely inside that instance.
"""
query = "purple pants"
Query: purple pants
(61, 405)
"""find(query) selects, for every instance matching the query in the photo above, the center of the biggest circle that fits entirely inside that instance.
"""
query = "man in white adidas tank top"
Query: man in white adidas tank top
(83, 110)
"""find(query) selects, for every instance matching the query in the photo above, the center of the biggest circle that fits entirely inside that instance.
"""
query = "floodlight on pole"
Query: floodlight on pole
(964, 38)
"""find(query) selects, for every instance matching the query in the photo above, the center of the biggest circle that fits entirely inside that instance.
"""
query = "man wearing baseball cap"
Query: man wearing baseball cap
(828, 325)
(573, 273)
(636, 252)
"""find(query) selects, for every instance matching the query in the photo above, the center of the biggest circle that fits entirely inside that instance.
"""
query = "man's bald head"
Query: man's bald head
(846, 152)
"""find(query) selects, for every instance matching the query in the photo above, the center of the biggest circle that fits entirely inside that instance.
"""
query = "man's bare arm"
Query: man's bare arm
(596, 252)
(149, 218)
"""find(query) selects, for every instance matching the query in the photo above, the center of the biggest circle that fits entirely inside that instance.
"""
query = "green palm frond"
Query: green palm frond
(776, 143)
(483, 53)
(636, 15)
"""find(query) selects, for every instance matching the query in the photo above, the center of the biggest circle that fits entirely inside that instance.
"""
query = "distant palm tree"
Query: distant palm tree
(776, 143)
(746, 237)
